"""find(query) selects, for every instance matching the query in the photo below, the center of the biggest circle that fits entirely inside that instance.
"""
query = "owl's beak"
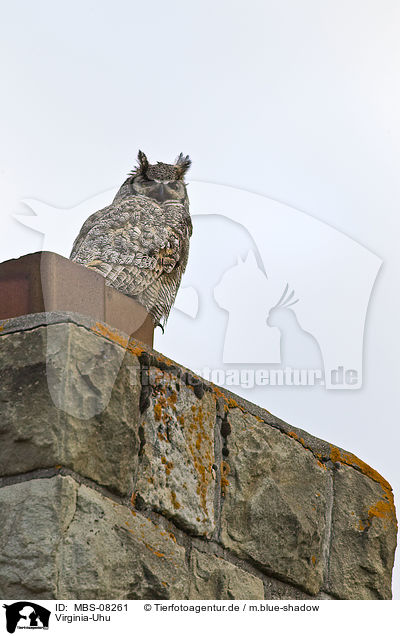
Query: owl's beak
(159, 193)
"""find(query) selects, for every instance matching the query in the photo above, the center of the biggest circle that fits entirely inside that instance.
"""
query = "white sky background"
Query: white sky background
(296, 101)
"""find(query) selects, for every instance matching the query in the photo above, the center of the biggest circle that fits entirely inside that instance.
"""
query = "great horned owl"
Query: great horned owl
(140, 243)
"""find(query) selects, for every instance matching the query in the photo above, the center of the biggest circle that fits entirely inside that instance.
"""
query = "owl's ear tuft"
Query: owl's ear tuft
(183, 164)
(142, 167)
(143, 162)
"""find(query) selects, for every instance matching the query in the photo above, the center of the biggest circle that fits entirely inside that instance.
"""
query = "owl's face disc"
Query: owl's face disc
(160, 190)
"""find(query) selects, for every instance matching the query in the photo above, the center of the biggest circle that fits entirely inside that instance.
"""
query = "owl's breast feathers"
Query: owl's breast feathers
(140, 247)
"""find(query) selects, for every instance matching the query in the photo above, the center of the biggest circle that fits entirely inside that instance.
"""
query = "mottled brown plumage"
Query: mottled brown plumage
(140, 243)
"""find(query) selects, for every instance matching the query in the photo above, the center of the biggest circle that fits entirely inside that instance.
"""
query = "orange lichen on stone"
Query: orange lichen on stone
(383, 509)
(301, 441)
(157, 376)
(228, 401)
(5, 323)
(164, 360)
(218, 391)
(338, 455)
(172, 399)
(174, 500)
(111, 334)
(198, 430)
(156, 552)
(168, 465)
(225, 469)
(115, 336)
(157, 412)
(195, 421)
(135, 349)
(129, 530)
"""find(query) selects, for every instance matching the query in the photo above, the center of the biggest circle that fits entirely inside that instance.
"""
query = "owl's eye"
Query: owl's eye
(141, 179)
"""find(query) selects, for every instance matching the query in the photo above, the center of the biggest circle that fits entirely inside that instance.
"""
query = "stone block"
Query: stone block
(73, 401)
(112, 552)
(363, 539)
(274, 511)
(175, 475)
(214, 578)
(34, 516)
(61, 540)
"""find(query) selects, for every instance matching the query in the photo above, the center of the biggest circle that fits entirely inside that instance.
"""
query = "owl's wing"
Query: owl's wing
(86, 227)
(132, 244)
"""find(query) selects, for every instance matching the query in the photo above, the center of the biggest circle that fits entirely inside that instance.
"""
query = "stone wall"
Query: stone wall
(123, 475)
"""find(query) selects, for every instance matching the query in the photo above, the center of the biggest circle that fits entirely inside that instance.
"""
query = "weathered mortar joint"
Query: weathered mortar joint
(64, 527)
(326, 547)
(224, 430)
